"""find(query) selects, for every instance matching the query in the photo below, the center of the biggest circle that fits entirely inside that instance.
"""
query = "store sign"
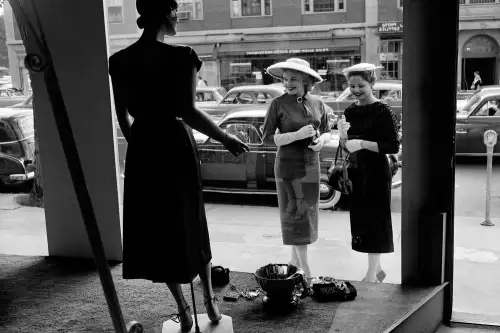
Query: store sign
(390, 27)
(294, 51)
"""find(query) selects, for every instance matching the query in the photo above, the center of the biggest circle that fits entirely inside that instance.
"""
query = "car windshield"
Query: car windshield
(470, 105)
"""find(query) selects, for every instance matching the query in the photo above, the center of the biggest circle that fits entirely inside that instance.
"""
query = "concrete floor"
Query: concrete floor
(466, 329)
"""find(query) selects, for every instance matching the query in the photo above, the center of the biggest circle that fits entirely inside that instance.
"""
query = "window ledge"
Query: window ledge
(243, 17)
(317, 13)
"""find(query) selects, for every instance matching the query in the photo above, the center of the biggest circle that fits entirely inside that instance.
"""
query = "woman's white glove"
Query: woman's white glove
(353, 145)
(305, 132)
(343, 126)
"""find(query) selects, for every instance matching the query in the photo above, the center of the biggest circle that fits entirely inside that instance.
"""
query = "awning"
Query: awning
(291, 47)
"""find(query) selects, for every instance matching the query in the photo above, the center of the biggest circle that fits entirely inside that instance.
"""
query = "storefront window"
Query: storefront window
(250, 8)
(391, 59)
(250, 70)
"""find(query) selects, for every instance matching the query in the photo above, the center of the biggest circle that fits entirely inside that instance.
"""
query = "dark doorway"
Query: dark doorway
(486, 68)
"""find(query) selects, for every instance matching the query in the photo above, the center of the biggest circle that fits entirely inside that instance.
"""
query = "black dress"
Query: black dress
(370, 208)
(165, 233)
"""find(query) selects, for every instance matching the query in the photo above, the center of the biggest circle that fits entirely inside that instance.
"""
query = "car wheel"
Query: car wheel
(328, 197)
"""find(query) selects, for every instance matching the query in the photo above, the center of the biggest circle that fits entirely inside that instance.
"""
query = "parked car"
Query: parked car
(17, 147)
(479, 114)
(390, 91)
(253, 172)
(240, 98)
(209, 97)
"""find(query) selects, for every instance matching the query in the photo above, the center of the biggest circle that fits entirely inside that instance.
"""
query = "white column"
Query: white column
(371, 38)
(77, 38)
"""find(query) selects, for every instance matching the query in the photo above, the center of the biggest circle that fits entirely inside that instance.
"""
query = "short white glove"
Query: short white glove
(353, 145)
(305, 132)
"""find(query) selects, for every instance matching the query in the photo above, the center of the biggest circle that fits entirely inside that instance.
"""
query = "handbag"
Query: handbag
(338, 177)
(220, 276)
(328, 289)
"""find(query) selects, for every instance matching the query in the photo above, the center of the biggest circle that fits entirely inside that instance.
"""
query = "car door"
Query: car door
(255, 159)
(222, 170)
(485, 117)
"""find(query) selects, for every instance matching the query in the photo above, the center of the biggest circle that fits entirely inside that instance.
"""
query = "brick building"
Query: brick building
(239, 39)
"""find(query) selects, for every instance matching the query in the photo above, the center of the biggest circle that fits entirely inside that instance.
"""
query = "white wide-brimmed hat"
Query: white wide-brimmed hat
(362, 67)
(295, 64)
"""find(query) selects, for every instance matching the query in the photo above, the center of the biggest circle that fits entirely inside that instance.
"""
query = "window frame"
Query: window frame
(311, 3)
(192, 13)
(111, 3)
(263, 9)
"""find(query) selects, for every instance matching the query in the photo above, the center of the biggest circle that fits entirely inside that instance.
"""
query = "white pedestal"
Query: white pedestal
(225, 325)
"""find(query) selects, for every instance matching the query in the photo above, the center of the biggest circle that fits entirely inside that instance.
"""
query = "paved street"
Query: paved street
(245, 235)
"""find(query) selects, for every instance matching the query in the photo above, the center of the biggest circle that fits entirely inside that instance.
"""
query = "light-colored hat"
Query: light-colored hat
(362, 67)
(295, 64)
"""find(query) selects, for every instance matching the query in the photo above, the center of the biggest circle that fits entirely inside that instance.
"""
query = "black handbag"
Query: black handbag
(338, 177)
(220, 276)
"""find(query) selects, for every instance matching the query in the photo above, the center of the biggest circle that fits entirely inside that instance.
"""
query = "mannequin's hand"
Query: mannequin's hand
(318, 146)
(235, 146)
(353, 145)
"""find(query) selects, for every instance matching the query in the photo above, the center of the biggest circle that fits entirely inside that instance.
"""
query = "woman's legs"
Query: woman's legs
(209, 301)
(373, 267)
(301, 251)
(295, 258)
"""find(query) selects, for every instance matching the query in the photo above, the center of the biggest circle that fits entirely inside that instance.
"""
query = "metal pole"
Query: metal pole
(490, 139)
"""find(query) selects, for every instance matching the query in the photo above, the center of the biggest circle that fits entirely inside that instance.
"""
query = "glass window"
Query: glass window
(245, 132)
(194, 8)
(9, 143)
(490, 108)
(241, 8)
(115, 11)
(322, 6)
(27, 125)
(391, 58)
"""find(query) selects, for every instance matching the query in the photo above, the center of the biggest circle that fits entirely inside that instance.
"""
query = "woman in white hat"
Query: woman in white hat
(298, 124)
(369, 131)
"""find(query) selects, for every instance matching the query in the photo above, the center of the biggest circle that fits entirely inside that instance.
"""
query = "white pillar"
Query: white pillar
(77, 37)
(371, 38)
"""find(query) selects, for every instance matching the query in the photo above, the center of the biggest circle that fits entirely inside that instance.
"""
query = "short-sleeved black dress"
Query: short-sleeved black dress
(370, 202)
(165, 233)
(296, 161)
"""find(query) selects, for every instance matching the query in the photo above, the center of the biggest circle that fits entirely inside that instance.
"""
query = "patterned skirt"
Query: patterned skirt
(297, 183)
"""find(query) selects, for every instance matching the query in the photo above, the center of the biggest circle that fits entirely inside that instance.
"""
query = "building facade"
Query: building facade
(239, 39)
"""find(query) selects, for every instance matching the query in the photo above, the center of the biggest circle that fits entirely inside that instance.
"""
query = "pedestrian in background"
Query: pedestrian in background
(293, 122)
(369, 131)
(477, 83)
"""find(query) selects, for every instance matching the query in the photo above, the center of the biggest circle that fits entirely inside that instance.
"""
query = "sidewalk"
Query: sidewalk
(245, 238)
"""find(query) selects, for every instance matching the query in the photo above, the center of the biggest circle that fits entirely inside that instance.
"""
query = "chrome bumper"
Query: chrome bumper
(23, 176)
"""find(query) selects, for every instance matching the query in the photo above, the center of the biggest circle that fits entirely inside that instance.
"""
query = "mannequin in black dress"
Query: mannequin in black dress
(165, 233)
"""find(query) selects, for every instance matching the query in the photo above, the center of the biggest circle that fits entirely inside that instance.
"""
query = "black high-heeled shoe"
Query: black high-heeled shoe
(213, 309)
(183, 318)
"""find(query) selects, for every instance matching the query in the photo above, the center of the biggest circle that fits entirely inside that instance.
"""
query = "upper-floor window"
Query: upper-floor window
(190, 9)
(321, 6)
(240, 8)
(115, 11)
(478, 2)
(400, 4)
